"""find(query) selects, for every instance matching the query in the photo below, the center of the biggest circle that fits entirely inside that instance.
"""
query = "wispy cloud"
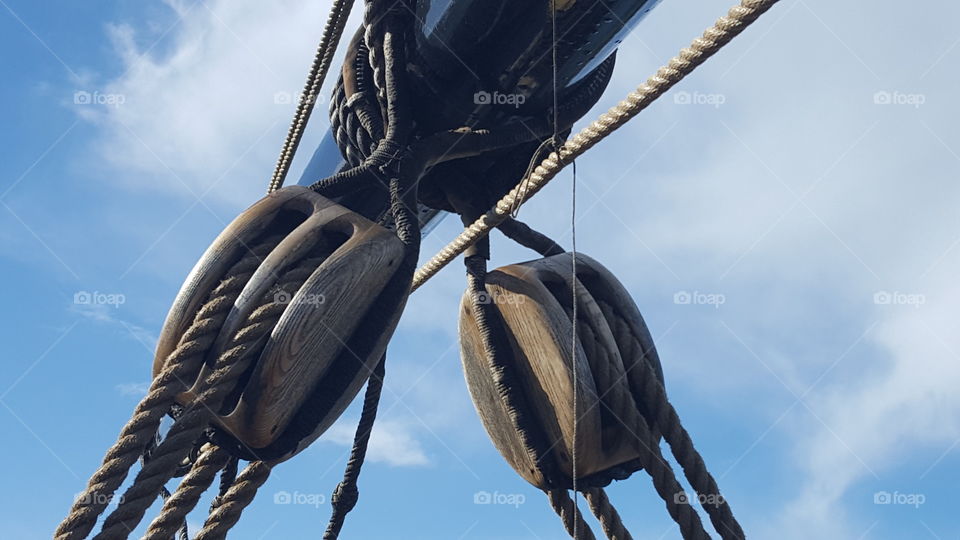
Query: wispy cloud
(107, 314)
(205, 97)
(392, 442)
(798, 198)
(137, 389)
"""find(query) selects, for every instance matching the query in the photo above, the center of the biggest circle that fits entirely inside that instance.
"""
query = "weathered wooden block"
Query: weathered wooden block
(307, 372)
(534, 302)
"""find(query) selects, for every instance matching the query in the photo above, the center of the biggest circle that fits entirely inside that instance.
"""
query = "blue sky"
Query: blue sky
(807, 175)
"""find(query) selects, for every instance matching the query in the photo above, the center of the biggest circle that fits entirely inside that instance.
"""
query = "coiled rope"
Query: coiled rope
(713, 39)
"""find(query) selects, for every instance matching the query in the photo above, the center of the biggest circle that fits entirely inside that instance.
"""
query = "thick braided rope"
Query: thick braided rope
(229, 368)
(649, 394)
(237, 498)
(181, 369)
(702, 48)
(569, 514)
(496, 349)
(616, 396)
(374, 16)
(607, 514)
(211, 461)
(346, 494)
(227, 477)
(332, 33)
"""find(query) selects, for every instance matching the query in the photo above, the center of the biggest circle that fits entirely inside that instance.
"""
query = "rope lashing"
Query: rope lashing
(505, 380)
(332, 33)
(702, 48)
(183, 366)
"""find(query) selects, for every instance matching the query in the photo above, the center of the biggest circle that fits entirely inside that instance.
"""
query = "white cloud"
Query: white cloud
(199, 110)
(392, 442)
(712, 204)
(106, 314)
(137, 389)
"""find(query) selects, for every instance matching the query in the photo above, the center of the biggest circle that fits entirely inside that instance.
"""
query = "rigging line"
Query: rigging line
(327, 47)
(573, 352)
(740, 17)
(553, 141)
(573, 279)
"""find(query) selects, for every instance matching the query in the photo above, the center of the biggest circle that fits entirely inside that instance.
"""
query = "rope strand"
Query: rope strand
(230, 366)
(345, 496)
(181, 369)
(606, 514)
(332, 33)
(175, 509)
(237, 498)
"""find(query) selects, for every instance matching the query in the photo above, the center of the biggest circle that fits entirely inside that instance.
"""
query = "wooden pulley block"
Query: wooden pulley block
(533, 303)
(331, 334)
